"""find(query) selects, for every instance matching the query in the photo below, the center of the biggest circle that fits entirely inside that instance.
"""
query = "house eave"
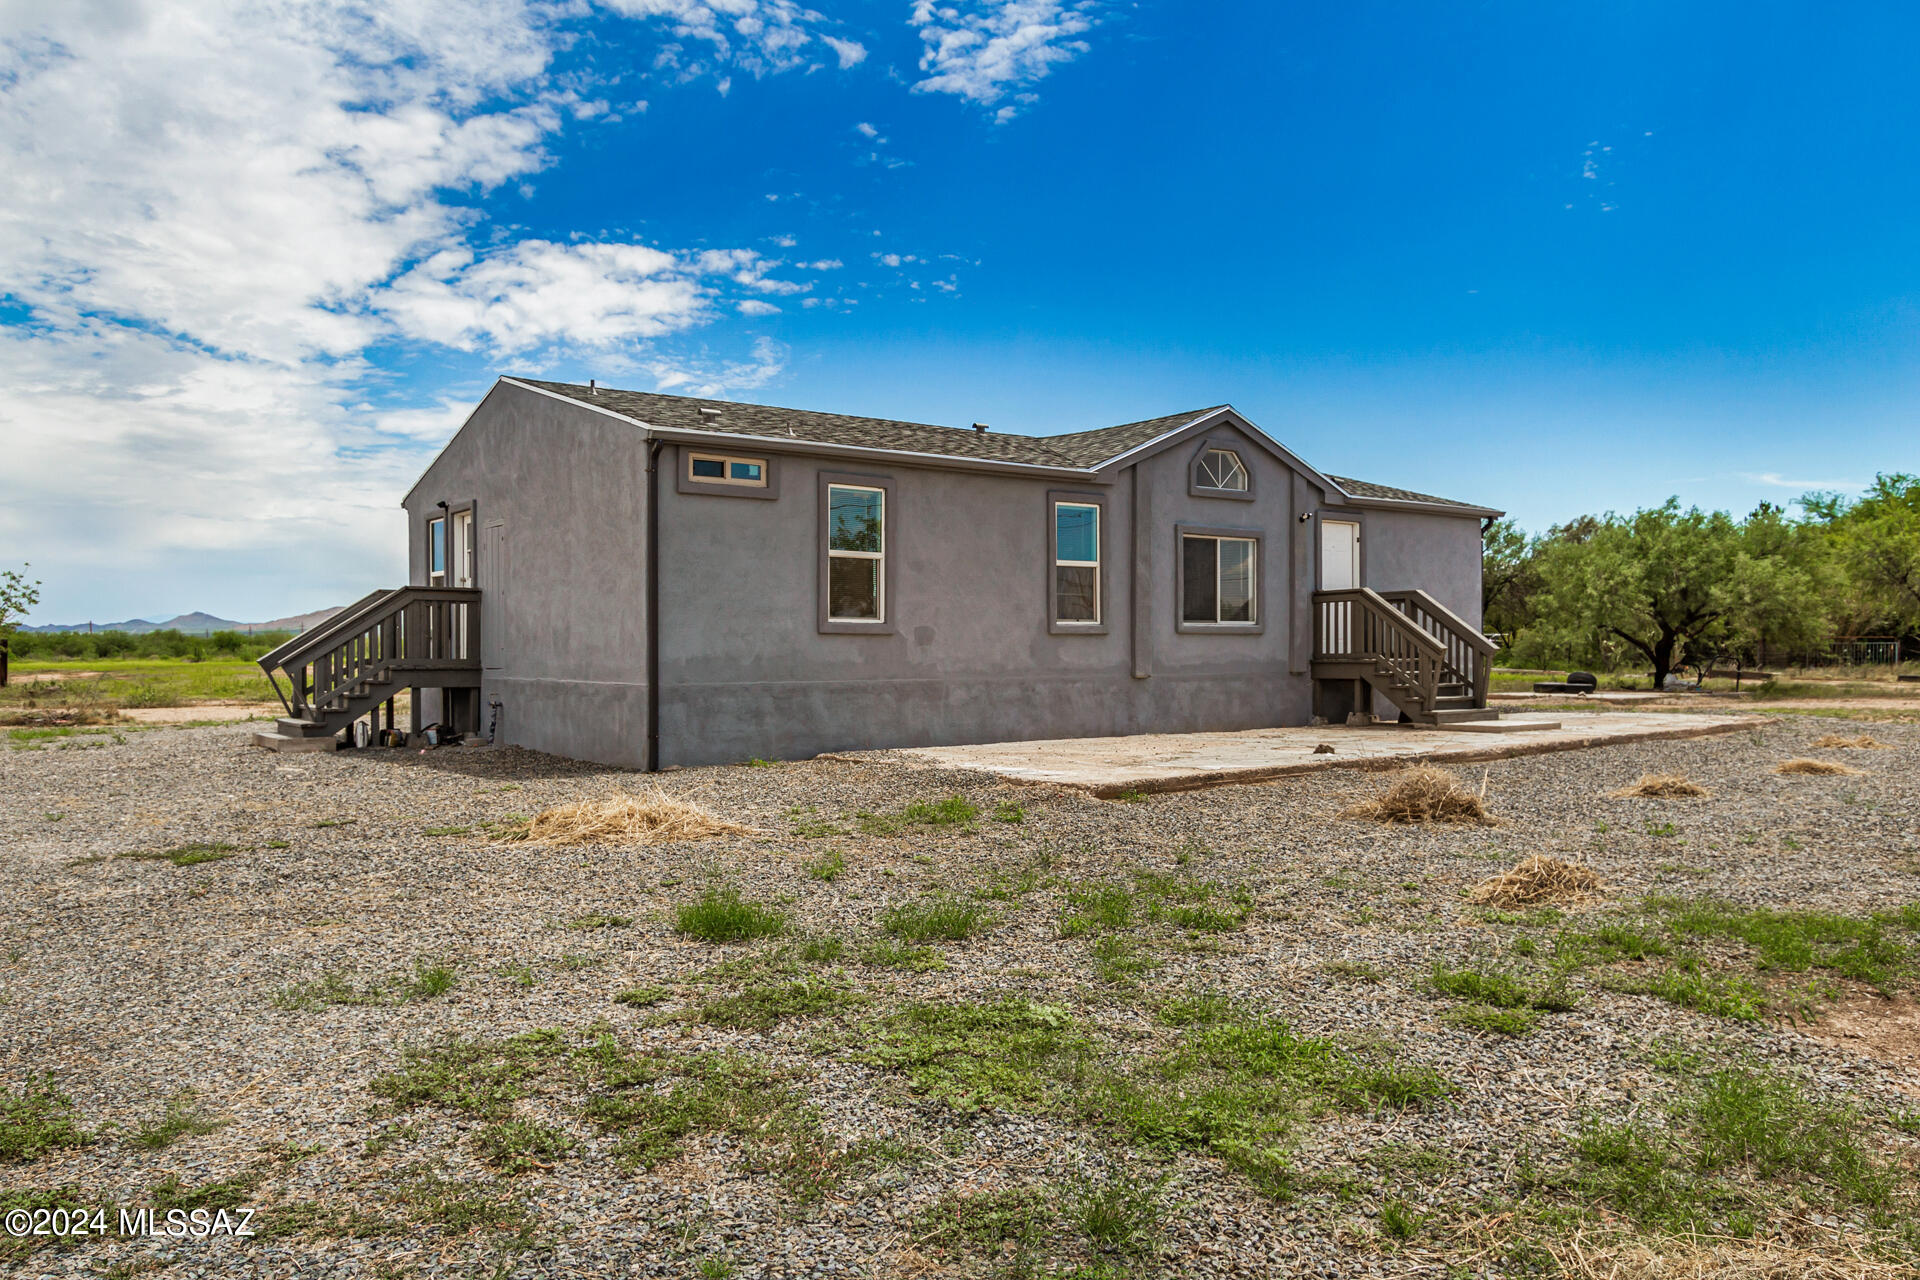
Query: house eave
(794, 444)
(1424, 508)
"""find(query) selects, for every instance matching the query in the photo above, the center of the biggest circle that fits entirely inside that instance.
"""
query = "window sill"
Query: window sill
(1058, 628)
(1233, 495)
(1186, 628)
(854, 627)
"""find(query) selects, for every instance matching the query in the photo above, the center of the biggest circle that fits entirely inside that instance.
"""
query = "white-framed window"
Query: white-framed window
(723, 468)
(437, 552)
(856, 553)
(1221, 469)
(1076, 563)
(1218, 577)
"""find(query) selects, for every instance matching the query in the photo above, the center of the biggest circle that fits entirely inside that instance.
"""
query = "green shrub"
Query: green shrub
(885, 953)
(642, 997)
(954, 811)
(186, 855)
(37, 1119)
(945, 918)
(1481, 1017)
(1503, 989)
(1100, 906)
(758, 1008)
(720, 916)
(516, 1146)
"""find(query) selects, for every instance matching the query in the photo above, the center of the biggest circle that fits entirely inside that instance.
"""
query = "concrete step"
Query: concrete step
(1460, 715)
(1492, 726)
(293, 742)
(295, 728)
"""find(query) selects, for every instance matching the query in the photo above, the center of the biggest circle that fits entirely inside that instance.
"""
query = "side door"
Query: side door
(495, 571)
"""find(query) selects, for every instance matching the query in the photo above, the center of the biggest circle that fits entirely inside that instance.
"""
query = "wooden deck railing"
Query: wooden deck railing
(1469, 654)
(421, 630)
(1362, 627)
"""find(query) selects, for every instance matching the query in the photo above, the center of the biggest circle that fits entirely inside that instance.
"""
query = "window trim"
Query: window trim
(1101, 595)
(437, 577)
(1181, 532)
(684, 481)
(1226, 445)
(885, 624)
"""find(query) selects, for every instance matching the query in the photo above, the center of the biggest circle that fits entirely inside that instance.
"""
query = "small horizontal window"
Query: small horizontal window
(718, 468)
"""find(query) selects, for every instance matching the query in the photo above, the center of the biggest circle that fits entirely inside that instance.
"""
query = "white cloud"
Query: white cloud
(850, 52)
(214, 210)
(866, 130)
(987, 50)
(758, 36)
(536, 293)
(694, 378)
(755, 307)
(1774, 480)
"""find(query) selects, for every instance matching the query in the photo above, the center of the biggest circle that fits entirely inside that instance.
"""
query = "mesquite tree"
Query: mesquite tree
(17, 595)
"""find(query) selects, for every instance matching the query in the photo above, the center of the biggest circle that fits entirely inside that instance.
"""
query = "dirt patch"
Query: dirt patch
(221, 711)
(1802, 764)
(1876, 1027)
(48, 677)
(1659, 786)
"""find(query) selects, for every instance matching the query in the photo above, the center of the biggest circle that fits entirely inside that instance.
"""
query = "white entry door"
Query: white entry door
(1339, 555)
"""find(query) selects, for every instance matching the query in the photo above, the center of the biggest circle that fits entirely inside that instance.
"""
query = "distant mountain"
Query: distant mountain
(194, 624)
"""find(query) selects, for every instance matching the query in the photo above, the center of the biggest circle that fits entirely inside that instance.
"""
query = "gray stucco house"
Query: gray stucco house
(653, 580)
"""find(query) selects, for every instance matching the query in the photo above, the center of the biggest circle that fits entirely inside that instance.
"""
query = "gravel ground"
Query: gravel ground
(130, 981)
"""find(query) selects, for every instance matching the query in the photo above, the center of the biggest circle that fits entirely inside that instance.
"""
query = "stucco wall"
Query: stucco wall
(1438, 554)
(745, 671)
(970, 657)
(563, 640)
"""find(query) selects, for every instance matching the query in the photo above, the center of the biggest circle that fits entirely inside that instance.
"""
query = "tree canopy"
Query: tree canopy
(1668, 586)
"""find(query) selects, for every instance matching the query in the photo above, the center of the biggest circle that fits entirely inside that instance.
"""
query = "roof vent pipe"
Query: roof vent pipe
(981, 427)
(593, 388)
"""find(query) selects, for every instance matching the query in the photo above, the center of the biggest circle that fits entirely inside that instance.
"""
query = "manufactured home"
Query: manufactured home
(652, 580)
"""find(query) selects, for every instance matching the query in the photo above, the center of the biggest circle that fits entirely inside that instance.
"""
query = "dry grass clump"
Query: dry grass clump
(1586, 1256)
(1660, 786)
(650, 817)
(1865, 742)
(1425, 793)
(1536, 881)
(1801, 764)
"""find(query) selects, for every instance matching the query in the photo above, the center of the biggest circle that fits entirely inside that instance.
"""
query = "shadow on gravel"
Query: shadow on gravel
(515, 763)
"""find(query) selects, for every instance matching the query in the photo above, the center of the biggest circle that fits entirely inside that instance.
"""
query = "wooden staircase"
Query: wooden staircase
(404, 638)
(1409, 647)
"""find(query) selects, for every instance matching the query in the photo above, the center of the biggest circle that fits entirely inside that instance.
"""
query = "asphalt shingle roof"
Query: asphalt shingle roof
(1084, 449)
(1364, 489)
(1090, 448)
(684, 413)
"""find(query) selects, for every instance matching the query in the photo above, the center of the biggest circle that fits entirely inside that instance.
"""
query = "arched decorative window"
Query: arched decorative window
(1220, 469)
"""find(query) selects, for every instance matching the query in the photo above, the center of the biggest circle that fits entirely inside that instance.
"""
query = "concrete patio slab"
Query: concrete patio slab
(1188, 761)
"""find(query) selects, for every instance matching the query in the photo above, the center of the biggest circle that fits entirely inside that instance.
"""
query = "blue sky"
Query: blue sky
(1555, 259)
